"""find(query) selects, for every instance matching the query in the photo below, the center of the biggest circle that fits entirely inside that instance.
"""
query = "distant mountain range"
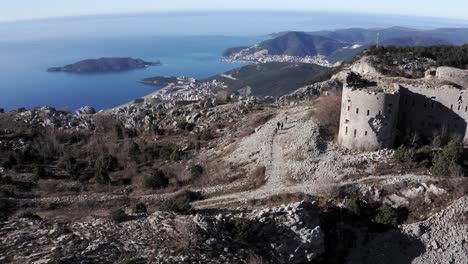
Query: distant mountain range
(344, 44)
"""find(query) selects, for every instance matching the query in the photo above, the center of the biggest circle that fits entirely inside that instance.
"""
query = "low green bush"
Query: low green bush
(10, 162)
(140, 208)
(103, 165)
(119, 216)
(196, 171)
(205, 136)
(403, 154)
(386, 215)
(186, 126)
(30, 216)
(180, 203)
(177, 205)
(355, 205)
(447, 161)
(241, 229)
(39, 172)
(156, 180)
(6, 209)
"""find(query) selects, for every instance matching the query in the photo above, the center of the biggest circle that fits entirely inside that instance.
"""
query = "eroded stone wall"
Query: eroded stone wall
(368, 119)
(434, 111)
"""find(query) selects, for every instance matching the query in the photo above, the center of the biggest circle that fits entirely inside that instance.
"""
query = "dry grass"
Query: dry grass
(420, 210)
(280, 199)
(257, 177)
(295, 155)
(216, 171)
(254, 122)
(326, 112)
(328, 188)
(294, 178)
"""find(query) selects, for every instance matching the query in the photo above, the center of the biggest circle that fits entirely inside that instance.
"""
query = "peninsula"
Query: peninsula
(105, 65)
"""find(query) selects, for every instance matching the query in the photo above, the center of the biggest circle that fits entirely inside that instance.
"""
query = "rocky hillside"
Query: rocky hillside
(268, 79)
(190, 174)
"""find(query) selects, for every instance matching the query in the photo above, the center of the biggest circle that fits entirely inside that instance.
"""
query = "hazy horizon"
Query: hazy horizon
(15, 10)
(239, 23)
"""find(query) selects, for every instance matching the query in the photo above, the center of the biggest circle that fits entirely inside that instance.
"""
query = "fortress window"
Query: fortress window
(355, 132)
(346, 131)
(380, 112)
(451, 107)
(466, 108)
(459, 107)
(357, 110)
(368, 112)
(365, 133)
(348, 107)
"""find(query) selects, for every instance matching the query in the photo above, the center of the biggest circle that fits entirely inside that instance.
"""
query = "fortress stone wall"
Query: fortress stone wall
(372, 118)
(368, 119)
(434, 111)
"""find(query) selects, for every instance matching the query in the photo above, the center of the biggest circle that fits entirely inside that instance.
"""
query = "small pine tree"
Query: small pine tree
(140, 208)
(446, 162)
(156, 180)
(39, 172)
(119, 216)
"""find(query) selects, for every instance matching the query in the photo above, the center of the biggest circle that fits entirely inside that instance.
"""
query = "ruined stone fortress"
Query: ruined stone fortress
(375, 112)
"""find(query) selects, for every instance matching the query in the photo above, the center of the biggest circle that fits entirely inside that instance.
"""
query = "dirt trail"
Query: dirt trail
(297, 150)
(322, 166)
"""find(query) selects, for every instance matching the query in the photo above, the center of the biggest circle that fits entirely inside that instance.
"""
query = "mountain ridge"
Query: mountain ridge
(344, 44)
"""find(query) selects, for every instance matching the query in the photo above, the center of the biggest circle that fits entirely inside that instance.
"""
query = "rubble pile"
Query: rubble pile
(289, 233)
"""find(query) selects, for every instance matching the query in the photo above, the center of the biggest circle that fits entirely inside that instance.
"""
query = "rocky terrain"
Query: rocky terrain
(104, 65)
(198, 173)
(290, 234)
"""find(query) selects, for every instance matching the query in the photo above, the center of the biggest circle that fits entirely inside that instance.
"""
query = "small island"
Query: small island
(105, 65)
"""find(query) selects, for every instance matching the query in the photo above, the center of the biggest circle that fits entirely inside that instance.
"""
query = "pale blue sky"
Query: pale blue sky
(32, 9)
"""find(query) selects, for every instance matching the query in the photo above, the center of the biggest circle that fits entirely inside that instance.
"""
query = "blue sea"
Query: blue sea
(188, 44)
(25, 82)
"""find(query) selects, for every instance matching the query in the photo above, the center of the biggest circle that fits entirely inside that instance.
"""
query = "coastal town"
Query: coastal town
(262, 56)
(186, 89)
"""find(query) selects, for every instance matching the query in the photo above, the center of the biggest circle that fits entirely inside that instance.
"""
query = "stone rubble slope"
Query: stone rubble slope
(318, 161)
(444, 235)
(289, 234)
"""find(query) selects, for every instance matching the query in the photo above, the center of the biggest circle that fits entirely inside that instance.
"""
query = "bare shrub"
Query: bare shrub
(284, 198)
(254, 259)
(296, 155)
(215, 172)
(328, 188)
(326, 112)
(47, 144)
(254, 122)
(257, 177)
(294, 177)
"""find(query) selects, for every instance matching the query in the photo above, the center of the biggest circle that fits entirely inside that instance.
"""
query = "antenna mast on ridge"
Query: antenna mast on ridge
(378, 39)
